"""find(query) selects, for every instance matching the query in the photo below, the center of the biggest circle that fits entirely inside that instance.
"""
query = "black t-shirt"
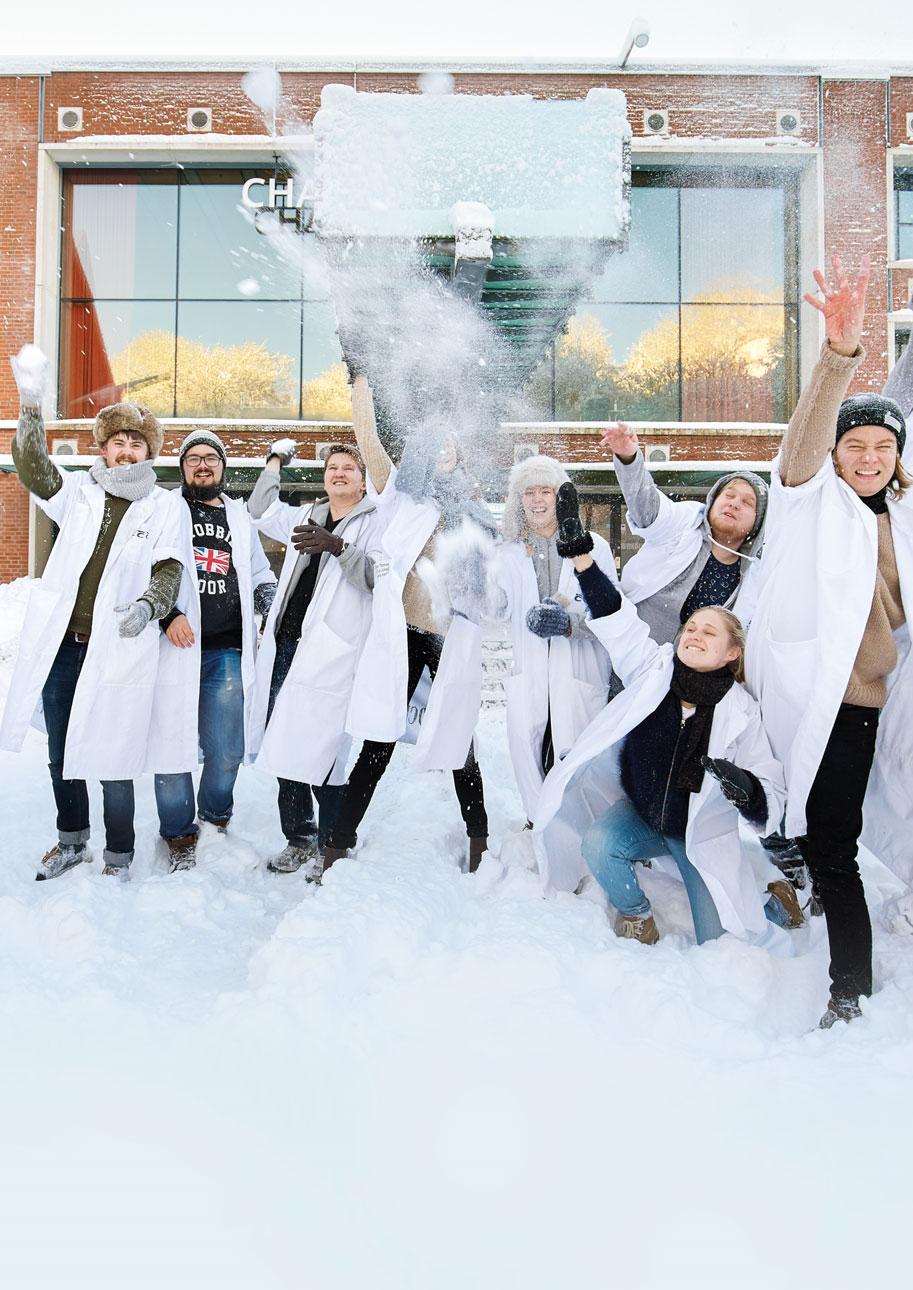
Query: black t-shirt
(217, 578)
(297, 607)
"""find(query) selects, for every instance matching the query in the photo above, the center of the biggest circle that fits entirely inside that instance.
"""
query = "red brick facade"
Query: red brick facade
(849, 120)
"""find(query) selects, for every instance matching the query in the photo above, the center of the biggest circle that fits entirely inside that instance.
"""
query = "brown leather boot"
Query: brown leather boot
(331, 855)
(632, 927)
(784, 892)
(183, 852)
(477, 848)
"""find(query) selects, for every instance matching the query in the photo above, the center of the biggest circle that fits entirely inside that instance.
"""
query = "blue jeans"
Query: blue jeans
(221, 725)
(296, 803)
(72, 795)
(613, 843)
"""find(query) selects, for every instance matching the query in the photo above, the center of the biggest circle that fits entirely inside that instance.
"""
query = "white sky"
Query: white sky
(585, 31)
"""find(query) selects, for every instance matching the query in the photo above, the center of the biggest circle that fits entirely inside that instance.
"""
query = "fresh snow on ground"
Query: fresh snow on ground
(416, 1078)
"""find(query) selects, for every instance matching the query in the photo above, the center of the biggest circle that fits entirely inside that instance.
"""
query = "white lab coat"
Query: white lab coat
(111, 734)
(567, 677)
(379, 706)
(176, 707)
(581, 788)
(815, 594)
(306, 738)
(671, 545)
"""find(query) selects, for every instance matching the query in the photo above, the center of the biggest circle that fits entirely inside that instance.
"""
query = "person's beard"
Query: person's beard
(201, 492)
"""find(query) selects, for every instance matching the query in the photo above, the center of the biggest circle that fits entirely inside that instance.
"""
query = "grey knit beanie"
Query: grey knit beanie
(202, 438)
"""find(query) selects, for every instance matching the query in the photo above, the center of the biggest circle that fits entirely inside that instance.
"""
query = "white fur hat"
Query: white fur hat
(531, 472)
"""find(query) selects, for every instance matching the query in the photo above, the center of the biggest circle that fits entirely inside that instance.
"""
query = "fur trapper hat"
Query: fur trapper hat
(531, 472)
(127, 417)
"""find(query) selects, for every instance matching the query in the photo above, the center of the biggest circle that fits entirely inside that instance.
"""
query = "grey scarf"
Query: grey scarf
(130, 482)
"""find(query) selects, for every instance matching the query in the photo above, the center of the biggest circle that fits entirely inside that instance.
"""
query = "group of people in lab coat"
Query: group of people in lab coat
(749, 669)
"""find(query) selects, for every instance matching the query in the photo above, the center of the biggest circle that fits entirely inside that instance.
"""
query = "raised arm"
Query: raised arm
(899, 385)
(30, 446)
(377, 462)
(812, 429)
(641, 494)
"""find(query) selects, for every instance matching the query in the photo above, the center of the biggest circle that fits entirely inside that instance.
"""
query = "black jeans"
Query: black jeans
(424, 651)
(296, 803)
(834, 822)
(72, 795)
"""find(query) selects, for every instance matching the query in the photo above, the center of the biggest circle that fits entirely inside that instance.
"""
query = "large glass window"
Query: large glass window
(170, 296)
(903, 212)
(698, 319)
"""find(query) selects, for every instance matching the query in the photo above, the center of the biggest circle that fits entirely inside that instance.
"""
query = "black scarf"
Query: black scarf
(704, 690)
(878, 502)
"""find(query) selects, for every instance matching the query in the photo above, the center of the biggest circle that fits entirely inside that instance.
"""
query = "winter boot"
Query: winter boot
(477, 848)
(634, 927)
(119, 871)
(331, 855)
(66, 855)
(183, 851)
(839, 1010)
(291, 858)
(573, 538)
(221, 825)
(784, 893)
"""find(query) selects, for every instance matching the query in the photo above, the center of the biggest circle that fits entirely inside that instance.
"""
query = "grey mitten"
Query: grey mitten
(467, 585)
(133, 618)
(30, 369)
(548, 619)
(284, 449)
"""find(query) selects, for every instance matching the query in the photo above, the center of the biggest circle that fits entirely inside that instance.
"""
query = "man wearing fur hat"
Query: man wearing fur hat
(86, 657)
(694, 553)
(212, 638)
(561, 673)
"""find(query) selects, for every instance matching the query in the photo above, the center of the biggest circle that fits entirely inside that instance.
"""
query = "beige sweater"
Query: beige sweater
(416, 599)
(809, 438)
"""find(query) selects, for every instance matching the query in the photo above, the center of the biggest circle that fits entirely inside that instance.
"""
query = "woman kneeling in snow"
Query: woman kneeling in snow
(677, 756)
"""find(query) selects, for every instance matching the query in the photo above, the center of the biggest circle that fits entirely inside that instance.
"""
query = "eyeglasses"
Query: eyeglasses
(211, 459)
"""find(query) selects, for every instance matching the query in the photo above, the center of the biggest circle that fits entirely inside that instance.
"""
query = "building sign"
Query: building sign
(273, 194)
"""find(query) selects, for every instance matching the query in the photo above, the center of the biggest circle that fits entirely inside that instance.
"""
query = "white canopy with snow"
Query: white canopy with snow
(395, 165)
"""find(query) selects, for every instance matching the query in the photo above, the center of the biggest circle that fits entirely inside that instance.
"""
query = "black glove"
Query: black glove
(313, 539)
(284, 449)
(548, 619)
(740, 787)
(573, 538)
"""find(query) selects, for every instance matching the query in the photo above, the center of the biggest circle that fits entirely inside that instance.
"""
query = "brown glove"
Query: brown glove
(313, 539)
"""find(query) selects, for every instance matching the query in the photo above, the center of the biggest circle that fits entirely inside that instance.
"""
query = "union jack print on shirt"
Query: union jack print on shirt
(210, 561)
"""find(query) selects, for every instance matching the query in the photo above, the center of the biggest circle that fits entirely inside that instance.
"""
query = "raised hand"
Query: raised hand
(284, 450)
(30, 369)
(622, 440)
(843, 305)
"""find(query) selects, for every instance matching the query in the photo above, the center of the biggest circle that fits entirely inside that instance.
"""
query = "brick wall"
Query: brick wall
(855, 204)
(18, 165)
(700, 106)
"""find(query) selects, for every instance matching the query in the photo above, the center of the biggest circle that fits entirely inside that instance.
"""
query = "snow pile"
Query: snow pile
(395, 164)
(414, 1077)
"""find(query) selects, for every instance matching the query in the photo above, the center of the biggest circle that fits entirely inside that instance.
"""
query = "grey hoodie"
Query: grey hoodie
(662, 611)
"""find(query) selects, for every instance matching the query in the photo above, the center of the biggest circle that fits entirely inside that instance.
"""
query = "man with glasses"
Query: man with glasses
(87, 663)
(227, 580)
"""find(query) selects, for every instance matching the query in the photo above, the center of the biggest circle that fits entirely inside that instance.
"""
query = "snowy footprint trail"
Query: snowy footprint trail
(415, 1077)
